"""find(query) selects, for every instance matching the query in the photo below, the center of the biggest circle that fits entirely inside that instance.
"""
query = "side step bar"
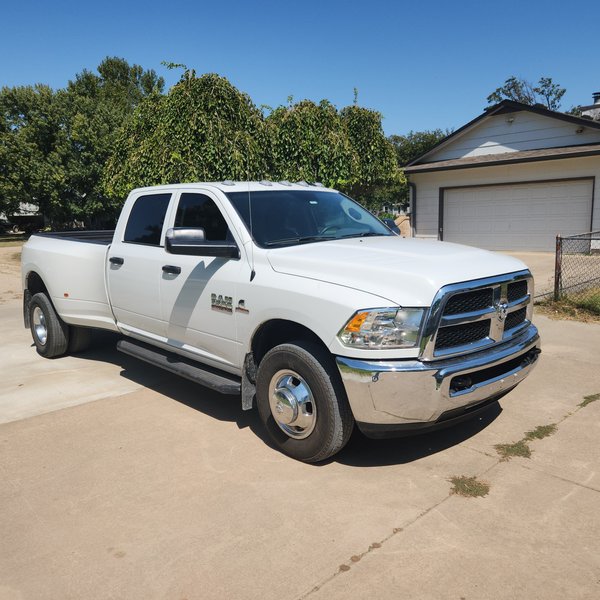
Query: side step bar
(222, 382)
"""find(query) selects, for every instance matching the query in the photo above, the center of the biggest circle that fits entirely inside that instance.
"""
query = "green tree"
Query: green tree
(407, 148)
(96, 107)
(53, 144)
(376, 179)
(204, 129)
(309, 142)
(546, 93)
(33, 149)
(343, 149)
(416, 143)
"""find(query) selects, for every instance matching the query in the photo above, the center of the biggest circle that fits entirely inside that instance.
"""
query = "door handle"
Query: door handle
(116, 260)
(171, 269)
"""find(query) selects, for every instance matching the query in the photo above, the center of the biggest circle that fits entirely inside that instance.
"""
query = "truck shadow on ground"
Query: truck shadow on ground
(360, 450)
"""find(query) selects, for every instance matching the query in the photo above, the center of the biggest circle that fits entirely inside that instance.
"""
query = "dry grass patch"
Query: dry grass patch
(469, 487)
(540, 432)
(521, 448)
(508, 451)
(589, 399)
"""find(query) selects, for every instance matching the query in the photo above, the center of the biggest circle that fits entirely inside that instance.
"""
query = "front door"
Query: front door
(198, 293)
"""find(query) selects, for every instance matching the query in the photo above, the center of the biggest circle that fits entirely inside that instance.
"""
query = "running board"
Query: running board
(222, 382)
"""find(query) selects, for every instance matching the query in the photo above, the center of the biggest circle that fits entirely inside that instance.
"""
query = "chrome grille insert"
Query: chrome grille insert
(473, 315)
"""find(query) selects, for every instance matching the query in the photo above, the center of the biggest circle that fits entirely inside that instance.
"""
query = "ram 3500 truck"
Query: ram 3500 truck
(298, 299)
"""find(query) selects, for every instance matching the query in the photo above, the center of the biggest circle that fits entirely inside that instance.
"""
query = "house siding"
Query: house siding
(528, 131)
(428, 184)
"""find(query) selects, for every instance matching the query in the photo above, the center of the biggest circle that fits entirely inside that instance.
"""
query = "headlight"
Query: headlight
(383, 328)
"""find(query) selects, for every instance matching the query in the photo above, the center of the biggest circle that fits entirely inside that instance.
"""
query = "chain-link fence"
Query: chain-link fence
(577, 270)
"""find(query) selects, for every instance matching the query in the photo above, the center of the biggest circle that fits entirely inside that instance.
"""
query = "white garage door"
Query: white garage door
(517, 216)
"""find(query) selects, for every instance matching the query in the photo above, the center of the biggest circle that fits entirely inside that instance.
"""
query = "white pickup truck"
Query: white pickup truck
(296, 298)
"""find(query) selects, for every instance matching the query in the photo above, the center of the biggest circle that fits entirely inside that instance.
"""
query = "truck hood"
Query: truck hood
(405, 271)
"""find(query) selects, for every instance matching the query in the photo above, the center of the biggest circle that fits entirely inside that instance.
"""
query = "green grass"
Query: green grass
(589, 399)
(469, 487)
(584, 306)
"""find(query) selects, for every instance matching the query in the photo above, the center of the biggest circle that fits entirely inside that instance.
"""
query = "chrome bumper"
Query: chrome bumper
(412, 392)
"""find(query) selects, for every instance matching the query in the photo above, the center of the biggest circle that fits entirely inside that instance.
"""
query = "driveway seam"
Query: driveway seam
(374, 546)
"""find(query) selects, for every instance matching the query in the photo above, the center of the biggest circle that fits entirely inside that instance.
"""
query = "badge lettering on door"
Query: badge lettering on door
(221, 303)
(241, 307)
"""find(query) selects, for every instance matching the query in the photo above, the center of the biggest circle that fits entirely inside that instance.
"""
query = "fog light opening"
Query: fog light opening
(460, 383)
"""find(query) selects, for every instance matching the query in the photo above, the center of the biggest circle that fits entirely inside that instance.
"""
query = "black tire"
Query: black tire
(333, 421)
(44, 320)
(80, 339)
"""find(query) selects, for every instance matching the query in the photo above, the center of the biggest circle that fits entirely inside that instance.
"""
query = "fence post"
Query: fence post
(557, 267)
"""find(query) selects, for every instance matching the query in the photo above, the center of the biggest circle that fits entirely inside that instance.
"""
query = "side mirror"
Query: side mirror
(391, 224)
(191, 241)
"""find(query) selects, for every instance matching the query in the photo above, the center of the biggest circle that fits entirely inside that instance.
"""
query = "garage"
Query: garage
(511, 179)
(517, 216)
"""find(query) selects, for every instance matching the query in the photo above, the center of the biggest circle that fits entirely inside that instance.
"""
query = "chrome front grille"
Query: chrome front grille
(470, 316)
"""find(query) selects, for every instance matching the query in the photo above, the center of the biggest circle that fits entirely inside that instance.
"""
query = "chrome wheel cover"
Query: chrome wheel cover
(292, 404)
(39, 326)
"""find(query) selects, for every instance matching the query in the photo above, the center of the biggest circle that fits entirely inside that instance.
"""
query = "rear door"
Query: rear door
(135, 267)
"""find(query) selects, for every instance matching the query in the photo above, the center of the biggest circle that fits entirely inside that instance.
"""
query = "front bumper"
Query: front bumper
(386, 395)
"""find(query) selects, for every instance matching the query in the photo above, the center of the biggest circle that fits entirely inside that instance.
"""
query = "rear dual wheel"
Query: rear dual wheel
(51, 335)
(302, 402)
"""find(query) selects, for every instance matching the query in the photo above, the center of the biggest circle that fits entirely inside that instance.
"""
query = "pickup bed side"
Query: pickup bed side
(71, 266)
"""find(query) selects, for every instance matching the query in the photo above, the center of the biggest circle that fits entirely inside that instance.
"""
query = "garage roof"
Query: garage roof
(506, 158)
(506, 106)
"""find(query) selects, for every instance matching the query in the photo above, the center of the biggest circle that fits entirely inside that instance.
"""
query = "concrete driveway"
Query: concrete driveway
(122, 482)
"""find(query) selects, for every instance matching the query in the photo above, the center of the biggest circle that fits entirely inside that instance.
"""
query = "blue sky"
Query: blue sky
(423, 65)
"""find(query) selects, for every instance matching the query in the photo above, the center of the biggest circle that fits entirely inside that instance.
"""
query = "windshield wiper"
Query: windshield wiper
(362, 234)
(301, 240)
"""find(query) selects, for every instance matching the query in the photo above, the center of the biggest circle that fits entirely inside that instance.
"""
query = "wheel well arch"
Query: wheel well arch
(279, 331)
(34, 284)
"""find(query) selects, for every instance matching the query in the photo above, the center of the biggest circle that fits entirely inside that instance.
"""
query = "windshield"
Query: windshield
(286, 218)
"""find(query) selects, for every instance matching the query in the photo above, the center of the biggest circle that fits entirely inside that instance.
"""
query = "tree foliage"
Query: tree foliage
(54, 144)
(345, 149)
(546, 93)
(308, 142)
(77, 152)
(33, 148)
(204, 129)
(416, 143)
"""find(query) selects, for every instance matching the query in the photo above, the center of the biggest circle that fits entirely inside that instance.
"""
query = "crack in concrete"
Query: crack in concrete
(538, 469)
(355, 558)
(344, 567)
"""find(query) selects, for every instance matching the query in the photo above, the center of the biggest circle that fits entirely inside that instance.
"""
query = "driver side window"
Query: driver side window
(198, 210)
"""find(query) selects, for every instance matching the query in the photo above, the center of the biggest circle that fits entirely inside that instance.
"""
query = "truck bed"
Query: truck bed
(102, 237)
(72, 265)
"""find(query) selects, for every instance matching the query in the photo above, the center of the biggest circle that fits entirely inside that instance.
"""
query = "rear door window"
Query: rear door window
(146, 219)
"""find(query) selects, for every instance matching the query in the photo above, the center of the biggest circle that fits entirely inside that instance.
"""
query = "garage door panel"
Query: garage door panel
(517, 217)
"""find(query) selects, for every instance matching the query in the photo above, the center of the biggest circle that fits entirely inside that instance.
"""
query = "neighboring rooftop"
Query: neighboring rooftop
(506, 157)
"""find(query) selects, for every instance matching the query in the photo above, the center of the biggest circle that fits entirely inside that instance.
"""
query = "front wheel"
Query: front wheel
(302, 402)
